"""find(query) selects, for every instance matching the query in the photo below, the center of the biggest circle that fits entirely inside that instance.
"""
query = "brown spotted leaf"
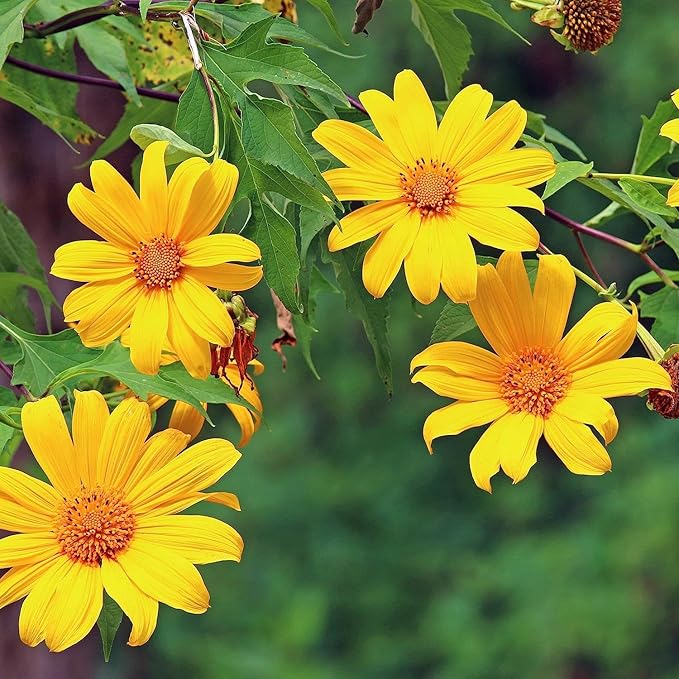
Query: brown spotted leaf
(365, 11)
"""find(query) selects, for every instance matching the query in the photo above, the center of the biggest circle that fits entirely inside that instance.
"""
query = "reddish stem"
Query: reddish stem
(588, 259)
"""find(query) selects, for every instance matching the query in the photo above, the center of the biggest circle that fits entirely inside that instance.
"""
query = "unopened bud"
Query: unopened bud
(550, 17)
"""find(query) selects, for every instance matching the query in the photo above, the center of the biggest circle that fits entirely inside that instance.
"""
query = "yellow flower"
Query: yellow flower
(187, 419)
(536, 382)
(434, 188)
(153, 272)
(671, 129)
(109, 520)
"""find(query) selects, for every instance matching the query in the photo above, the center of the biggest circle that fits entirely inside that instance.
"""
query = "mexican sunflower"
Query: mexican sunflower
(186, 418)
(536, 383)
(433, 187)
(671, 130)
(108, 520)
(153, 271)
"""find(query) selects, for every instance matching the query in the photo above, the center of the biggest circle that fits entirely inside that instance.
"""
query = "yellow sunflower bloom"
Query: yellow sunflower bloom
(671, 129)
(186, 418)
(154, 270)
(109, 520)
(433, 187)
(537, 382)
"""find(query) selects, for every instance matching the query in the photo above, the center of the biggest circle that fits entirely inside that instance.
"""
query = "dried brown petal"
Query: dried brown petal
(365, 10)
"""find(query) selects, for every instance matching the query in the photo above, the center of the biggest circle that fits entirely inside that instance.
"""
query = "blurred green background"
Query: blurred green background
(366, 557)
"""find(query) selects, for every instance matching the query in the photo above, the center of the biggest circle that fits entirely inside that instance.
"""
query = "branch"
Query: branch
(588, 259)
(89, 80)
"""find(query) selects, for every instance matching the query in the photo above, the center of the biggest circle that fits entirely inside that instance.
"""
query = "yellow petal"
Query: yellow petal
(74, 607)
(198, 467)
(180, 188)
(350, 183)
(28, 548)
(423, 263)
(355, 146)
(495, 313)
(416, 115)
(141, 609)
(98, 216)
(499, 227)
(247, 423)
(512, 272)
(518, 167)
(223, 499)
(193, 351)
(552, 297)
(156, 453)
(210, 198)
(16, 517)
(91, 260)
(497, 195)
(123, 439)
(592, 410)
(202, 310)
(462, 120)
(673, 195)
(47, 435)
(121, 202)
(148, 331)
(461, 358)
(458, 261)
(383, 260)
(220, 248)
(165, 576)
(187, 419)
(90, 415)
(498, 133)
(604, 333)
(576, 446)
(33, 616)
(671, 130)
(199, 539)
(384, 115)
(32, 494)
(458, 417)
(365, 223)
(623, 377)
(17, 582)
(234, 277)
(444, 382)
(153, 185)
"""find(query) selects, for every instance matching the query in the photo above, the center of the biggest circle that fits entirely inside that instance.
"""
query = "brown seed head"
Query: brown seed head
(667, 402)
(591, 24)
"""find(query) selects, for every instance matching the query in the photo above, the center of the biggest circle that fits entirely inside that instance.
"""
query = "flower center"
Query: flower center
(534, 381)
(158, 262)
(96, 523)
(430, 187)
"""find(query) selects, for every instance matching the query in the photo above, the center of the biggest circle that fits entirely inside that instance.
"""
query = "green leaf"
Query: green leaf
(251, 57)
(65, 126)
(448, 37)
(156, 110)
(323, 6)
(172, 382)
(8, 400)
(107, 54)
(311, 223)
(566, 172)
(17, 249)
(663, 306)
(144, 8)
(649, 278)
(651, 147)
(455, 320)
(278, 242)
(43, 357)
(374, 313)
(177, 150)
(648, 197)
(194, 115)
(12, 15)
(556, 137)
(11, 286)
(108, 622)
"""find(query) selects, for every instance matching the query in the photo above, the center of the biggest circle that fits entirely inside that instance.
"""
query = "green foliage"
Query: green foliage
(647, 197)
(455, 320)
(663, 306)
(12, 14)
(177, 150)
(566, 172)
(651, 147)
(109, 621)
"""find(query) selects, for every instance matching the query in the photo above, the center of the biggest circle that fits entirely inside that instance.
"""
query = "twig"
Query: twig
(89, 80)
(588, 259)
(356, 103)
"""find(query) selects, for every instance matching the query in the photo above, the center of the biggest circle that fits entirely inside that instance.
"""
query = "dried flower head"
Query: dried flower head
(591, 24)
(663, 401)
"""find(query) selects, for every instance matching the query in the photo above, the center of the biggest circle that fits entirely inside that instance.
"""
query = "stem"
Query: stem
(355, 103)
(529, 4)
(18, 389)
(5, 419)
(89, 80)
(587, 258)
(640, 177)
